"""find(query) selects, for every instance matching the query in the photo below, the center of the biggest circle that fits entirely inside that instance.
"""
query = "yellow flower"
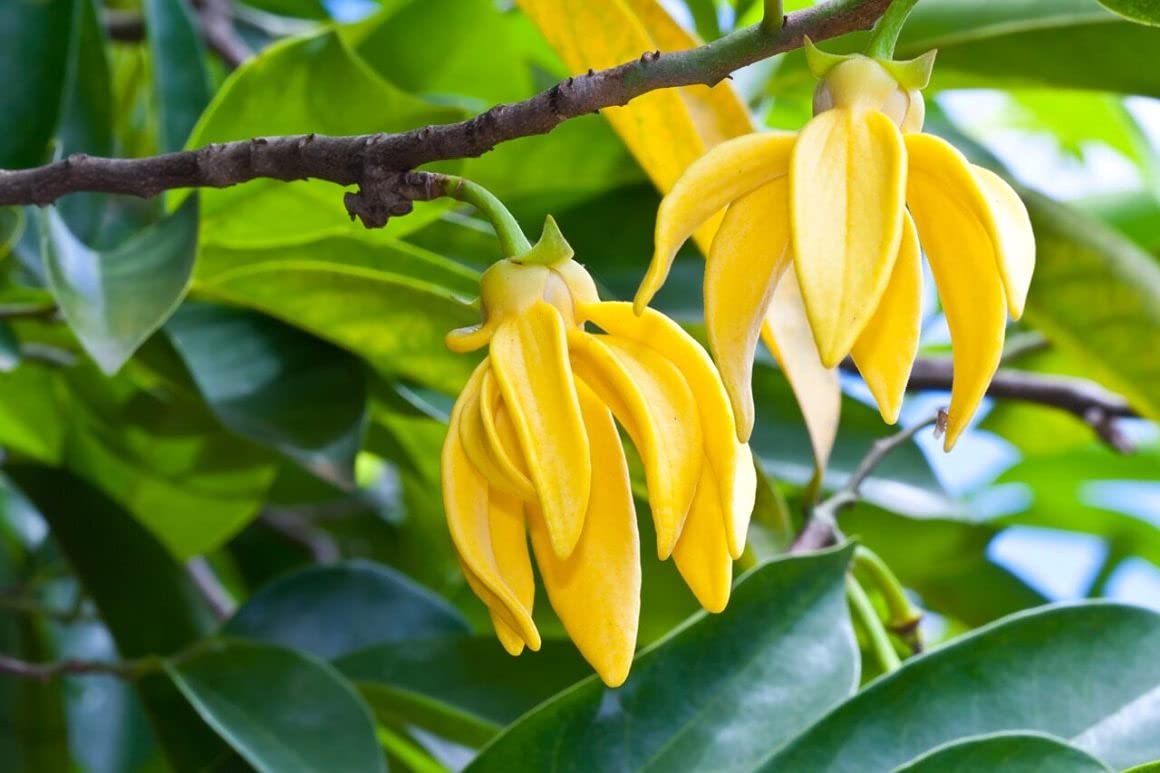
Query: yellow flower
(848, 201)
(533, 449)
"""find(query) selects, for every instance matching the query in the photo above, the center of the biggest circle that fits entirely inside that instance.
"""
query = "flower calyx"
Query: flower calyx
(544, 274)
(859, 82)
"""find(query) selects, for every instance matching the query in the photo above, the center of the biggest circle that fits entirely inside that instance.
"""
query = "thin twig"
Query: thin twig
(129, 669)
(1086, 400)
(322, 548)
(221, 603)
(376, 162)
(821, 529)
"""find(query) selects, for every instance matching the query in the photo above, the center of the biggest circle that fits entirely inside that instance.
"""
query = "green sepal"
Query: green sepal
(552, 248)
(821, 62)
(912, 73)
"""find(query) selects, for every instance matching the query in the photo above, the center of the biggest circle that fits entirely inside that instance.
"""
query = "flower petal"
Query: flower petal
(702, 552)
(727, 172)
(529, 356)
(478, 435)
(509, 543)
(885, 351)
(505, 631)
(723, 451)
(651, 398)
(466, 500)
(596, 590)
(787, 334)
(1014, 239)
(847, 185)
(952, 216)
(749, 255)
(505, 456)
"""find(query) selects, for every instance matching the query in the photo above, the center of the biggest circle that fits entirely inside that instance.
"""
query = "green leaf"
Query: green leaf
(1096, 296)
(720, 692)
(34, 42)
(1059, 43)
(144, 596)
(279, 709)
(289, 88)
(181, 86)
(165, 458)
(1139, 11)
(1086, 673)
(276, 385)
(331, 611)
(115, 299)
(31, 423)
(1009, 752)
(397, 322)
(465, 688)
(33, 726)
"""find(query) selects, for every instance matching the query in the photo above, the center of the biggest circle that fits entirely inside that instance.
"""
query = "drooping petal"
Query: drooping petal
(529, 356)
(509, 542)
(787, 334)
(491, 461)
(952, 218)
(506, 457)
(466, 500)
(1013, 236)
(847, 184)
(727, 172)
(723, 452)
(596, 590)
(885, 351)
(702, 554)
(749, 255)
(505, 631)
(651, 398)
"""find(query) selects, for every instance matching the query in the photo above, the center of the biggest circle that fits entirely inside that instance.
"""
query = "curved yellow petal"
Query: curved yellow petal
(819, 395)
(749, 255)
(509, 466)
(466, 500)
(529, 357)
(727, 172)
(501, 620)
(702, 552)
(509, 543)
(596, 590)
(723, 451)
(489, 458)
(885, 351)
(1014, 238)
(952, 216)
(847, 183)
(653, 401)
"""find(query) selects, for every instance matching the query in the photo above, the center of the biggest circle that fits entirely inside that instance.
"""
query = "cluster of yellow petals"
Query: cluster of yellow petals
(852, 202)
(533, 450)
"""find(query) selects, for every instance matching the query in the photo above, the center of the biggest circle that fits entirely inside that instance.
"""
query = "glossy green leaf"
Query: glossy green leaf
(34, 42)
(1061, 43)
(144, 596)
(181, 87)
(276, 385)
(396, 322)
(1085, 673)
(31, 423)
(281, 710)
(331, 611)
(1009, 752)
(115, 299)
(1139, 11)
(165, 458)
(463, 687)
(1096, 296)
(719, 693)
(289, 89)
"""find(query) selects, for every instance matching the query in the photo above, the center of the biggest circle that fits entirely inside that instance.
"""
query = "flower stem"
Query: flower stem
(864, 614)
(886, 32)
(774, 16)
(904, 617)
(512, 240)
